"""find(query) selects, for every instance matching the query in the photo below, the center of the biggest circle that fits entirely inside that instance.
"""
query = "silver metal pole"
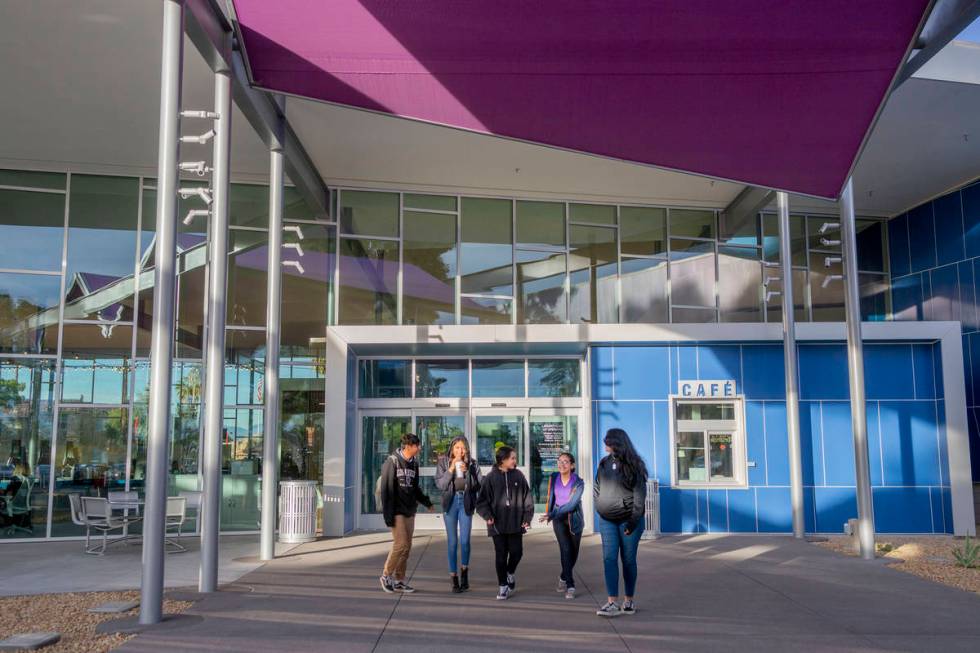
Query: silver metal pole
(789, 356)
(270, 446)
(215, 348)
(162, 338)
(855, 368)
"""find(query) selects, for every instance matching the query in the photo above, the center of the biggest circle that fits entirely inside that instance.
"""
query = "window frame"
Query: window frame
(734, 426)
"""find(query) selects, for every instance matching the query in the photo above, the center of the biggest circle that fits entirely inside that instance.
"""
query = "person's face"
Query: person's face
(564, 464)
(459, 451)
(410, 450)
(608, 449)
(511, 461)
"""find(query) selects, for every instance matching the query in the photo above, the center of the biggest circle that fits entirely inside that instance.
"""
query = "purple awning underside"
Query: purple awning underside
(774, 93)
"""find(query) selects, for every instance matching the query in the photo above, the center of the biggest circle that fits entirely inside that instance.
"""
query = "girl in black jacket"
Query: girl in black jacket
(620, 499)
(506, 505)
(458, 476)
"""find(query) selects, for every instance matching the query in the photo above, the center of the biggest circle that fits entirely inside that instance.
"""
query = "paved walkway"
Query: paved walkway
(699, 593)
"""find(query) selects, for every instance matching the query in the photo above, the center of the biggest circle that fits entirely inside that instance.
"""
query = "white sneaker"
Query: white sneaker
(562, 586)
(570, 593)
(610, 609)
(503, 593)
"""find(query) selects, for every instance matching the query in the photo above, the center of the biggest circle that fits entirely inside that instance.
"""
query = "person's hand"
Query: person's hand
(627, 531)
(543, 518)
(525, 525)
(490, 522)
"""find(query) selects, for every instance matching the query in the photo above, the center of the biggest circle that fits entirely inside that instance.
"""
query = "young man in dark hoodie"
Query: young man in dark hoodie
(505, 503)
(400, 497)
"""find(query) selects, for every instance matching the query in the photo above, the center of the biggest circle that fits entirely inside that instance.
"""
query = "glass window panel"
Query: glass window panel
(429, 268)
(644, 287)
(826, 304)
(32, 179)
(248, 260)
(686, 315)
(26, 420)
(743, 230)
(692, 223)
(870, 245)
(813, 224)
(704, 410)
(493, 432)
(498, 378)
(295, 208)
(797, 235)
(96, 363)
(191, 285)
(594, 213)
(431, 202)
(445, 378)
(380, 437)
(191, 238)
(29, 313)
(241, 465)
(385, 379)
(553, 378)
(307, 295)
(90, 458)
(32, 228)
(774, 308)
(302, 424)
(739, 284)
(643, 230)
(689, 449)
(485, 310)
(692, 273)
(244, 366)
(875, 298)
(551, 435)
(248, 206)
(436, 433)
(369, 214)
(722, 464)
(487, 256)
(541, 288)
(541, 224)
(593, 269)
(368, 281)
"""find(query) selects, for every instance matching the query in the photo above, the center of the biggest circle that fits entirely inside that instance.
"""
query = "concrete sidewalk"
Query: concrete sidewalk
(697, 593)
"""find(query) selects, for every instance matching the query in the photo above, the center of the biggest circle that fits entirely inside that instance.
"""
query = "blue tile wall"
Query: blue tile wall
(936, 279)
(631, 388)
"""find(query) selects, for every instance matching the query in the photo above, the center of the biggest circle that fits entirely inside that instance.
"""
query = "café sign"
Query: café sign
(706, 389)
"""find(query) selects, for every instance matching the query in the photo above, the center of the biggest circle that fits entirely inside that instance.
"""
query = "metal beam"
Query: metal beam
(855, 369)
(946, 20)
(744, 208)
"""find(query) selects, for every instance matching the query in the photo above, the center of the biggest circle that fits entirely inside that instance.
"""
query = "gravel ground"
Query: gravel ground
(68, 614)
(928, 557)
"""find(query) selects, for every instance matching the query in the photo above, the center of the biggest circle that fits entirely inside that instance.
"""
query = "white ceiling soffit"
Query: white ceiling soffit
(957, 62)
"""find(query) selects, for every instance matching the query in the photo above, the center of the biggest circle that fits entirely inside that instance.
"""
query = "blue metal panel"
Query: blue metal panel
(764, 372)
(968, 295)
(755, 440)
(937, 513)
(947, 504)
(661, 427)
(950, 244)
(777, 443)
(922, 238)
(775, 514)
(874, 443)
(643, 372)
(834, 506)
(741, 511)
(907, 298)
(973, 398)
(941, 303)
(809, 510)
(924, 368)
(602, 373)
(968, 371)
(974, 428)
(909, 443)
(971, 218)
(702, 511)
(902, 510)
(898, 245)
(634, 417)
(671, 510)
(687, 357)
(811, 448)
(838, 443)
(888, 371)
(823, 372)
(717, 510)
(720, 362)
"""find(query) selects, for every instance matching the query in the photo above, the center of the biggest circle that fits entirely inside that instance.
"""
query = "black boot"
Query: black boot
(464, 580)
(456, 589)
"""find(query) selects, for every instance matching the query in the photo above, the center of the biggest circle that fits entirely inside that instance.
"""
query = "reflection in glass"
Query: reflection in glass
(797, 235)
(486, 255)
(687, 315)
(592, 213)
(29, 313)
(493, 432)
(722, 467)
(870, 240)
(307, 296)
(32, 179)
(551, 435)
(96, 363)
(541, 287)
(553, 377)
(644, 286)
(32, 227)
(690, 454)
(244, 366)
(26, 418)
(692, 273)
(692, 223)
(380, 437)
(436, 432)
(875, 298)
(442, 378)
(826, 304)
(384, 379)
(301, 437)
(368, 281)
(818, 240)
(248, 260)
(430, 202)
(365, 213)
(592, 281)
(498, 378)
(643, 230)
(540, 224)
(429, 268)
(485, 310)
(774, 308)
(704, 410)
(739, 284)
(242, 444)
(738, 229)
(248, 206)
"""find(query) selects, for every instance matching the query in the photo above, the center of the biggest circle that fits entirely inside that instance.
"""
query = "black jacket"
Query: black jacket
(400, 491)
(444, 481)
(571, 511)
(505, 498)
(616, 501)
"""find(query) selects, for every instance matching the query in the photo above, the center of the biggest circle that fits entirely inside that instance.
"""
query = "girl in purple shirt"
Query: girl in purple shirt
(564, 512)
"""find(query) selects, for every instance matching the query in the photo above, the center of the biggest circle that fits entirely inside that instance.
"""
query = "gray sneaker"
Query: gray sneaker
(511, 582)
(629, 607)
(610, 609)
(387, 584)
(570, 593)
(503, 593)
(562, 586)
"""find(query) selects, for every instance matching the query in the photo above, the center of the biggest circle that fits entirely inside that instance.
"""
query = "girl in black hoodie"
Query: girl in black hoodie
(506, 505)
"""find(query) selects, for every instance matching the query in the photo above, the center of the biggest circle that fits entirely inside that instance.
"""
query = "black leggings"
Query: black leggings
(568, 545)
(509, 548)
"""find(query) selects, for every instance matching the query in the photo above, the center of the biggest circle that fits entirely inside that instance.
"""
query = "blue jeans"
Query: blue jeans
(615, 545)
(457, 521)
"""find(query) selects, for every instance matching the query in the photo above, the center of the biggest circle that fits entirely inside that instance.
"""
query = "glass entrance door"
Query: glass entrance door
(436, 430)
(552, 432)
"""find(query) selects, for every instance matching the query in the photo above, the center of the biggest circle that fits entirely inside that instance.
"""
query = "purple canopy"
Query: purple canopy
(775, 93)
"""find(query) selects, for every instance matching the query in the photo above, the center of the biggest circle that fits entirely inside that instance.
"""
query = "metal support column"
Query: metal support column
(855, 369)
(215, 347)
(789, 356)
(270, 446)
(162, 338)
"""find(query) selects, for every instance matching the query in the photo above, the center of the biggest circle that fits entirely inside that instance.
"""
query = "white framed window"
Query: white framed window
(708, 442)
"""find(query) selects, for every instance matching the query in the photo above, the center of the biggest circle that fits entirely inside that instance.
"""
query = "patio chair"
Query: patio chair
(18, 511)
(123, 497)
(194, 499)
(96, 513)
(176, 516)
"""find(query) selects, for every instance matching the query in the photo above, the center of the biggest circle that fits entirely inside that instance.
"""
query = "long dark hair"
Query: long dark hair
(634, 469)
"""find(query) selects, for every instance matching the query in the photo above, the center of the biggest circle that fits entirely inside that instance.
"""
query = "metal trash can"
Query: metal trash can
(297, 511)
(651, 519)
